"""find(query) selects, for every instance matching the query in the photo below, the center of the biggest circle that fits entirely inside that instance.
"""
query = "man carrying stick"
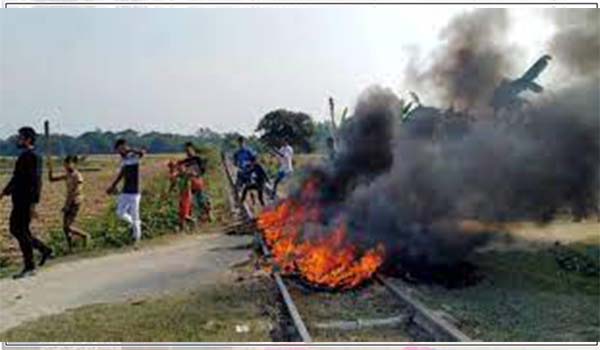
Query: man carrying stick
(74, 192)
(24, 188)
(284, 155)
(73, 199)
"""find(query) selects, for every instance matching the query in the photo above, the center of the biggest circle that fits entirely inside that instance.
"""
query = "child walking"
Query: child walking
(73, 199)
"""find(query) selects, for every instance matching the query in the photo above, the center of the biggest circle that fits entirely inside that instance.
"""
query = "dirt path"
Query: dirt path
(189, 263)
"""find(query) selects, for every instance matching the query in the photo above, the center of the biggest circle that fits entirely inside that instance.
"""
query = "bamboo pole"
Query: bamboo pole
(48, 144)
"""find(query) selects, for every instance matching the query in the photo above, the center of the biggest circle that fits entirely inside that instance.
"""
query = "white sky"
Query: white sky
(176, 70)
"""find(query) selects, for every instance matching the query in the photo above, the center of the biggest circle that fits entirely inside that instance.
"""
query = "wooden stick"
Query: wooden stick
(344, 113)
(332, 115)
(48, 153)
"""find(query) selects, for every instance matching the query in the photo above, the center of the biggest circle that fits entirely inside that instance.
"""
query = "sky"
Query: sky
(177, 70)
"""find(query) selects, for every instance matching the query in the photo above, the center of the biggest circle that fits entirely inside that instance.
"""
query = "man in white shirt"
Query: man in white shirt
(128, 206)
(285, 155)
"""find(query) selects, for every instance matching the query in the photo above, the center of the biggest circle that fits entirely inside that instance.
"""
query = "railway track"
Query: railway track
(415, 314)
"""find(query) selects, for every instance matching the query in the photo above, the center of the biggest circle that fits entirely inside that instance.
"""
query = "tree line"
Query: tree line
(299, 128)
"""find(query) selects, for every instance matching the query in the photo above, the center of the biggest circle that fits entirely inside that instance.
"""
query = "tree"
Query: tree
(297, 127)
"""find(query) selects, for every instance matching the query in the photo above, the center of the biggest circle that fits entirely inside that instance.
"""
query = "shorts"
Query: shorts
(70, 212)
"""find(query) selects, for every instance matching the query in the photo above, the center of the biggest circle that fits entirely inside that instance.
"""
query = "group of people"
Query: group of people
(25, 185)
(252, 176)
(187, 176)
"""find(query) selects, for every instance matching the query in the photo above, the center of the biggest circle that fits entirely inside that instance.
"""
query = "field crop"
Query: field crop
(53, 195)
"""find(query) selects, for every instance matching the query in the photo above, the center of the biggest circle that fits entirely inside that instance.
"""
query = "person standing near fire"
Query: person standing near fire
(25, 188)
(257, 179)
(243, 160)
(74, 198)
(285, 155)
(128, 205)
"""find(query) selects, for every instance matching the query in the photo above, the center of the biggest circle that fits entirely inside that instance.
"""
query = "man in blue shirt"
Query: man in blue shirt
(243, 159)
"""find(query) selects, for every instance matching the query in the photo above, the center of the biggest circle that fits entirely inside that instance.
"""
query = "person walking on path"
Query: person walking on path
(128, 206)
(74, 198)
(25, 188)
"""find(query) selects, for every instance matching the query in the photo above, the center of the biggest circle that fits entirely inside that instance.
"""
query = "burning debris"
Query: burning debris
(322, 255)
(396, 196)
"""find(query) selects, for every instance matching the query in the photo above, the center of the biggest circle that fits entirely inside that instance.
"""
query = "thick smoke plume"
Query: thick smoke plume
(410, 191)
(471, 61)
(577, 43)
(493, 173)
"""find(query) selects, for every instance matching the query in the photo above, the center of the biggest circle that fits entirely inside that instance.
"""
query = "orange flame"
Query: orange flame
(330, 260)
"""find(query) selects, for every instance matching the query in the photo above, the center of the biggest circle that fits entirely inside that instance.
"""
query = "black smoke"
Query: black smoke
(470, 62)
(577, 42)
(495, 172)
(396, 185)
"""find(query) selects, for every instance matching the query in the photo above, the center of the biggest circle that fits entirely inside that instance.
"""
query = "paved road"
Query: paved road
(188, 263)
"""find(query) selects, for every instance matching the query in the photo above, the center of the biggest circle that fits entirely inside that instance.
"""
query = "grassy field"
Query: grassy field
(225, 313)
(531, 289)
(158, 207)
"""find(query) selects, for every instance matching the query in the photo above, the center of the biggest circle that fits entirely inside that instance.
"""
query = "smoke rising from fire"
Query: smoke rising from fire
(577, 43)
(410, 191)
(471, 61)
(494, 172)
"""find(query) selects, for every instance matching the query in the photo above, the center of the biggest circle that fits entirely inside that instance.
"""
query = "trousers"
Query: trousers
(128, 210)
(20, 220)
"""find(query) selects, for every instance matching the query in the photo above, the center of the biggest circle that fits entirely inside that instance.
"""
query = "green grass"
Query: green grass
(525, 296)
(203, 316)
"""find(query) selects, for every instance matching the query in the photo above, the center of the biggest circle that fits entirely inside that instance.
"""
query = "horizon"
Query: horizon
(175, 71)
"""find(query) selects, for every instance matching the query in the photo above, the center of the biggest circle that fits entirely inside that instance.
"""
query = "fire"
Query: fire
(329, 259)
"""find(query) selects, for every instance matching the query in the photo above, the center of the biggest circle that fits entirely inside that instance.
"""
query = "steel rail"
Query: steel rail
(429, 320)
(423, 316)
(285, 294)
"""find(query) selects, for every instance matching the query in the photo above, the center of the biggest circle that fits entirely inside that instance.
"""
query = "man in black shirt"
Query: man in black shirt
(24, 188)
(257, 178)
